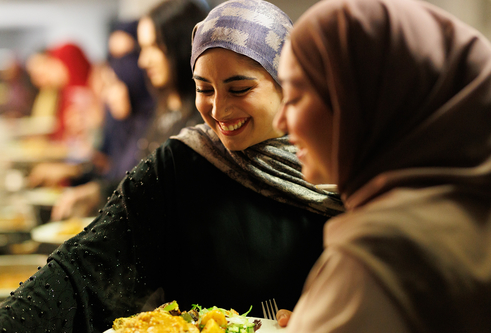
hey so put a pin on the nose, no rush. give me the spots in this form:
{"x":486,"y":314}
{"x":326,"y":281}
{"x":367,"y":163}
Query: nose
{"x":142,"y":59}
{"x":279,"y":121}
{"x":220,"y":108}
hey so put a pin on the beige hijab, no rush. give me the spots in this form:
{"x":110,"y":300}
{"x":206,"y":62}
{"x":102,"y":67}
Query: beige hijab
{"x":409,"y":87}
{"x":410,"y":91}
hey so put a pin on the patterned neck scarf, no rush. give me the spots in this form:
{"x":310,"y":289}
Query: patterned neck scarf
{"x":269,"y":168}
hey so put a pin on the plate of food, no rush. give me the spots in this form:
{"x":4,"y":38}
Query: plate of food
{"x":16,"y":218}
{"x":168,"y":318}
{"x":17,"y":268}
{"x":57,"y":232}
{"x":32,"y":150}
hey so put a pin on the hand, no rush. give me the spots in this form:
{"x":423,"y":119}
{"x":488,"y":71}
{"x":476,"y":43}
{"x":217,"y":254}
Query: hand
{"x":79,"y":201}
{"x":52,"y":174}
{"x":283,"y":316}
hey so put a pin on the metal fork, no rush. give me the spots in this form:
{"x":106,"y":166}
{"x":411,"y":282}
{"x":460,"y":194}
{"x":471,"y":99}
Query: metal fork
{"x":269,"y":305}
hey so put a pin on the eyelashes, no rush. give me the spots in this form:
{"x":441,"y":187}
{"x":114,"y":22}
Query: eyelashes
{"x":210,"y":91}
{"x":240,"y":91}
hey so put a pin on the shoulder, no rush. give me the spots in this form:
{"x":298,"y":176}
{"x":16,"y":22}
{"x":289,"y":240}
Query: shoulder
{"x":177,"y":151}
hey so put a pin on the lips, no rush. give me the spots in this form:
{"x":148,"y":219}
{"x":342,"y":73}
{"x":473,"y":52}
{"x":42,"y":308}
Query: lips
{"x":301,"y":154}
{"x":233,"y":127}
{"x":301,"y":151}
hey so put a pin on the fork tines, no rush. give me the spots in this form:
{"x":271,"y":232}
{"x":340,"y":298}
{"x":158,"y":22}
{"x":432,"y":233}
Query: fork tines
{"x":269,"y":312}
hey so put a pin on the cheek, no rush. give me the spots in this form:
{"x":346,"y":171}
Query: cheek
{"x":265,"y":108}
{"x":152,"y":58}
{"x":202,"y":105}
{"x":321,"y":146}
{"x":143,"y":59}
{"x":319,"y":128}
{"x":298,"y":125}
{"x":163,"y":62}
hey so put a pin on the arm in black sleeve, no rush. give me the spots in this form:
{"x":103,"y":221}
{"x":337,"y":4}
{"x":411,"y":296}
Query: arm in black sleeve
{"x":99,"y":274}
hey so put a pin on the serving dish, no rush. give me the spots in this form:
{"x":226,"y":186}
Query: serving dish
{"x":57,"y":232}
{"x":14,"y":220}
{"x":17,"y":268}
{"x":43,"y":196}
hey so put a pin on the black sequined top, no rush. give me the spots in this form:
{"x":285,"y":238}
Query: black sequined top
{"x":179,"y":229}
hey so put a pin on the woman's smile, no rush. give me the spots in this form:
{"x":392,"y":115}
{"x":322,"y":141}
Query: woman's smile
{"x":233,"y":127}
{"x":236,"y":97}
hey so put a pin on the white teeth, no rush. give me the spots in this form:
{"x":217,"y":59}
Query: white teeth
{"x":233,"y":127}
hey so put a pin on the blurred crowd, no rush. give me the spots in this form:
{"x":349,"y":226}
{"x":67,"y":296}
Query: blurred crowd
{"x":104,"y":116}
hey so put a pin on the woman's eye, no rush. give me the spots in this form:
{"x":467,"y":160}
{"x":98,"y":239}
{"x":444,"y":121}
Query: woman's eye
{"x":204,"y":91}
{"x":240,"y":91}
{"x":291,"y":101}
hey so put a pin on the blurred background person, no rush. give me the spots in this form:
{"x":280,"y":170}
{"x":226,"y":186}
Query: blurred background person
{"x":62,"y":104}
{"x":62,"y":75}
{"x":128,"y":108}
{"x":17,"y":92}
{"x":164,"y":35}
{"x":64,"y":71}
{"x":130,"y":105}
{"x":45,"y":104}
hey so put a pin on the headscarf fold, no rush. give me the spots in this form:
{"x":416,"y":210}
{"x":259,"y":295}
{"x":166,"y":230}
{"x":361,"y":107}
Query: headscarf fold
{"x":269,"y":168}
{"x":409,"y":87}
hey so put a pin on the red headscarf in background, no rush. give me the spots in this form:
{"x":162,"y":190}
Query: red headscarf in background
{"x":79,"y":68}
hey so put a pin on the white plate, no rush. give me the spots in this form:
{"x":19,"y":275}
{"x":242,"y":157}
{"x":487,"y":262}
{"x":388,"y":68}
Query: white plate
{"x":268,"y":326}
{"x":56,"y":232}
{"x":16,"y":217}
{"x":43,"y":196}
{"x":328,"y":187}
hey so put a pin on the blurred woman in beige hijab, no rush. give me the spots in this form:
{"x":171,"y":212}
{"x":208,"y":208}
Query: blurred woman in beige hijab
{"x":391,"y":100}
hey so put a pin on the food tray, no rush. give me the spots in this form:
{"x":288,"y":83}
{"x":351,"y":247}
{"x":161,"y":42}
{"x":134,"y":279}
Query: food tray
{"x":17,"y":268}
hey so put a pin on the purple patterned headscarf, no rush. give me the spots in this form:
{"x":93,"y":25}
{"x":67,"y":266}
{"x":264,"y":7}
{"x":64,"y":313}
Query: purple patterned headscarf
{"x":254,"y":28}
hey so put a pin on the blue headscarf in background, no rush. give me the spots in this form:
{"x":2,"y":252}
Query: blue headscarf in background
{"x":120,"y":137}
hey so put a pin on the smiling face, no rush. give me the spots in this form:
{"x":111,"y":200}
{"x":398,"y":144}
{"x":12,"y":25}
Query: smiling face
{"x":236,"y":97}
{"x":47,"y":71}
{"x":152,"y":58}
{"x":306,"y":118}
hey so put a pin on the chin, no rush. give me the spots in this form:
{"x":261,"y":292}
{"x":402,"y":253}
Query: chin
{"x":313,"y":176}
{"x":232,"y":143}
{"x":232,"y":146}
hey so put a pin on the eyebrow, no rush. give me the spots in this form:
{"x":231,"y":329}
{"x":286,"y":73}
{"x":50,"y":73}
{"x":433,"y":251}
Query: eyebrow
{"x":294,"y":82}
{"x":230,"y":79}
